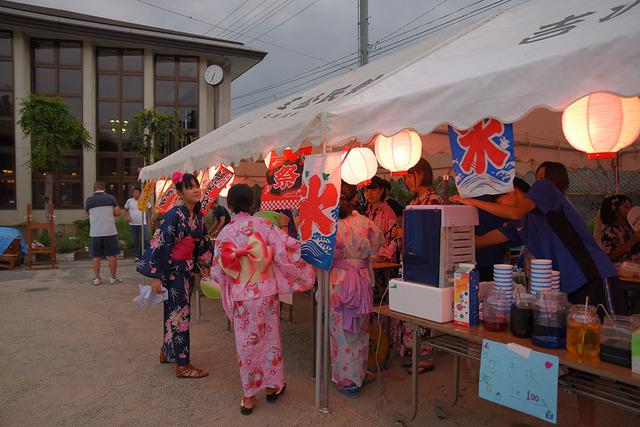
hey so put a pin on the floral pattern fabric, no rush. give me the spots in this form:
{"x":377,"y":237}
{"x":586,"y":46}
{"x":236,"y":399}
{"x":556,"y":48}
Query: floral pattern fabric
{"x":358,"y":238}
{"x":177,"y":275}
{"x":614,"y":236}
{"x":254,"y":307}
{"x":385,"y":219}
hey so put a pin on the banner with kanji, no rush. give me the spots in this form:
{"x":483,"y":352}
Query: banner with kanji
{"x":167,"y":200}
{"x":319,"y":208}
{"x":483,"y":158}
{"x":284,"y":180}
{"x":220,"y":180}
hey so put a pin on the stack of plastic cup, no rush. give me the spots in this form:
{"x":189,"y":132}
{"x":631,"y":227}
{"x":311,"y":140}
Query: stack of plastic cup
{"x":555,"y":280}
{"x":503,"y":284}
{"x":540,"y":275}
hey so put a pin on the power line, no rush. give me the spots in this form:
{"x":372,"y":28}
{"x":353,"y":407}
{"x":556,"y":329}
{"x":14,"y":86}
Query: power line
{"x":224,"y":28}
{"x":337,"y":62}
{"x":226,"y":16}
{"x":347,"y":64}
{"x":286,"y":20}
{"x":267,"y":16}
{"x":241,"y":18}
{"x":414,"y":20}
{"x":468,"y":15}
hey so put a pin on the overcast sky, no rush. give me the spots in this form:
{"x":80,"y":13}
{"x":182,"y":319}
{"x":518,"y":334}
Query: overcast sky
{"x":299,"y":35}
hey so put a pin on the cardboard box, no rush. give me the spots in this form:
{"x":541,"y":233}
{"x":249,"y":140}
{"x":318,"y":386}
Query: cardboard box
{"x":426,"y":302}
{"x":466,"y":304}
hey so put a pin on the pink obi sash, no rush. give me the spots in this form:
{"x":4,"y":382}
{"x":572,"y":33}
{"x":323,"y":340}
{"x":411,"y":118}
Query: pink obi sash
{"x":356,"y":296}
{"x":183,"y":249}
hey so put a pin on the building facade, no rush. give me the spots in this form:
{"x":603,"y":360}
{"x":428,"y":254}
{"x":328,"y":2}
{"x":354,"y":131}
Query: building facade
{"x":106,"y":71}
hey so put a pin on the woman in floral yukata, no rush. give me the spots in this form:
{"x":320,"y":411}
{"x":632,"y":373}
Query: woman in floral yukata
{"x":254,"y":261}
{"x":358,"y":240}
{"x":383,"y":216}
{"x":619,"y":241}
{"x":179,"y":249}
{"x":419,"y":181}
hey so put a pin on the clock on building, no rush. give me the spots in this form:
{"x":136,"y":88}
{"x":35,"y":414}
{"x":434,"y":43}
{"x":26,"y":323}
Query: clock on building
{"x":213,"y":74}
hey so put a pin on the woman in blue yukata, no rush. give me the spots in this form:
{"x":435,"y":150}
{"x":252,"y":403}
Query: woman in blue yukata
{"x":179,"y":249}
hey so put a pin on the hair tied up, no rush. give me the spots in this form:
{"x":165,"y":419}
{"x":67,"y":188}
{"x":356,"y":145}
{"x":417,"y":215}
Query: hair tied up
{"x":176,"y":177}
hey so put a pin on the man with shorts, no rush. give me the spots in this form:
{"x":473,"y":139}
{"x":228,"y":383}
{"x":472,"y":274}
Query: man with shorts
{"x":103,"y":236}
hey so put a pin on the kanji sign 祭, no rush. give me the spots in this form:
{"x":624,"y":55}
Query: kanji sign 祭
{"x":319,"y":208}
{"x":284,"y":181}
{"x":214,"y":187}
{"x":483,"y":158}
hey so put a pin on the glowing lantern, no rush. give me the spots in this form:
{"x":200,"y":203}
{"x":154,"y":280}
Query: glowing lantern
{"x":162,"y":185}
{"x":601,"y":124}
{"x":225,"y":190}
{"x":359,"y":166}
{"x":400,"y":152}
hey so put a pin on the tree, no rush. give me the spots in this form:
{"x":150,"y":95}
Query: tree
{"x":53,"y":131}
{"x":151,"y":130}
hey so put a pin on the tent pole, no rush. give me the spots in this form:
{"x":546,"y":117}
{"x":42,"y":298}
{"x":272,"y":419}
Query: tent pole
{"x":616,"y":174}
{"x":319,"y":311}
{"x":325,"y":342}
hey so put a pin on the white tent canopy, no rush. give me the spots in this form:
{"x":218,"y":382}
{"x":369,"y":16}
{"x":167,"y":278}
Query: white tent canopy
{"x":542,"y":53}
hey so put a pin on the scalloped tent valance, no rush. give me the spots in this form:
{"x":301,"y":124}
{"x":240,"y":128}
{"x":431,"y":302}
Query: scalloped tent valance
{"x":542,"y":53}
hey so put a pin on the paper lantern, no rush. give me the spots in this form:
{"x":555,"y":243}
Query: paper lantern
{"x":399,"y":152}
{"x":601,"y":124}
{"x":162,"y":185}
{"x":359,"y":166}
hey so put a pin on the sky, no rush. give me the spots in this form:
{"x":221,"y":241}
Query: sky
{"x":300,"y":36}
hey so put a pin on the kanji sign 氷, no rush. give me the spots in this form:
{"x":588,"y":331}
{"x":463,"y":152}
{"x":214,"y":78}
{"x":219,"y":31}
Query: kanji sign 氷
{"x":483,"y":158}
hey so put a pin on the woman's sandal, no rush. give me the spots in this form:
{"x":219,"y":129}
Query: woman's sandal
{"x":243,"y":409}
{"x":424,"y":366}
{"x":369,"y":378}
{"x":190,"y":371}
{"x":272,"y":397}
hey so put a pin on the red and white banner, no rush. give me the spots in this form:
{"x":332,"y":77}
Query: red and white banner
{"x":221,"y":178}
{"x":284,"y":181}
{"x":167,"y":200}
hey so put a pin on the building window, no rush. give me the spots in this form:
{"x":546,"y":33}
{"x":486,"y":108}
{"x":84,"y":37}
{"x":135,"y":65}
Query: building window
{"x":7,"y":125}
{"x":176,"y":90}
{"x":57,"y":71}
{"x":120,"y":77}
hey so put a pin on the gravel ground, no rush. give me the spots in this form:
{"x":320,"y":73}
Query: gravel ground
{"x":76,"y":354}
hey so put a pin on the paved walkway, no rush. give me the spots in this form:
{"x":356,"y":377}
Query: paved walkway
{"x":76,"y":354}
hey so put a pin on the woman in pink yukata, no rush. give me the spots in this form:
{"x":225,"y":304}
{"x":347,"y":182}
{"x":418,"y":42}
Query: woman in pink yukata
{"x":358,"y":240}
{"x":253,"y":262}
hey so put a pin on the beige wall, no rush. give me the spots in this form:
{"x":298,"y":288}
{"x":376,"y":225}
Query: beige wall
{"x":22,"y":88}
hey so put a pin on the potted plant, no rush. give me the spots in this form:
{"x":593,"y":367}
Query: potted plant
{"x":53,"y":131}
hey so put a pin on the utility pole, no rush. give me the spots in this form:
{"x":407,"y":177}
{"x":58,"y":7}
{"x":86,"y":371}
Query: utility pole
{"x":363,"y":24}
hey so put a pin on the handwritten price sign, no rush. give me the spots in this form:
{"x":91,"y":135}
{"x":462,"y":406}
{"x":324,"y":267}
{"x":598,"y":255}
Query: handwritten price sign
{"x":520,"y":379}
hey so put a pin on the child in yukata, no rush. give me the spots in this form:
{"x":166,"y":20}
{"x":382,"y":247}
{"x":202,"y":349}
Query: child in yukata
{"x":253,"y":262}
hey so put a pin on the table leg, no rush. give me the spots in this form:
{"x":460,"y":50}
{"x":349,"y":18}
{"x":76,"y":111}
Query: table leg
{"x":456,"y":379}
{"x":414,"y":373}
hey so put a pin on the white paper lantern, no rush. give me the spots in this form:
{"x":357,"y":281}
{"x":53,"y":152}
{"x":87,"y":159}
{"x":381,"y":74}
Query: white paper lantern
{"x":225,"y":190}
{"x":601,"y":124}
{"x":399,"y":152}
{"x":359,"y":166}
{"x":162,"y":185}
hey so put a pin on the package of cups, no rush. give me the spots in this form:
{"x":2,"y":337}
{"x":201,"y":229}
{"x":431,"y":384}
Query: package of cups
{"x":503,"y":283}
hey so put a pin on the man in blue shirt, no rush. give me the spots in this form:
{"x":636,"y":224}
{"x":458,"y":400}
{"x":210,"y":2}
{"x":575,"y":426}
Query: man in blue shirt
{"x":550,"y":228}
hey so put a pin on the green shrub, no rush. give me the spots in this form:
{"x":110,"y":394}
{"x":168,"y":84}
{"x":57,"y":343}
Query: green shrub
{"x":124,"y":233}
{"x":67,"y":244}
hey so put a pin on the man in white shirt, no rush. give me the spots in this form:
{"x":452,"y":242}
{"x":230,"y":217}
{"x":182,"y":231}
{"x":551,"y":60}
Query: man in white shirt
{"x":137,"y":221}
{"x":103,"y":235}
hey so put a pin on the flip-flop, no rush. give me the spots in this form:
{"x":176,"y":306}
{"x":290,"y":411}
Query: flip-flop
{"x":274,"y":396}
{"x":351,"y":392}
{"x":244,"y":410}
